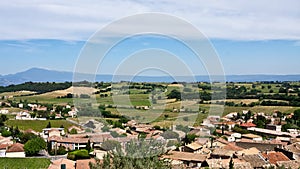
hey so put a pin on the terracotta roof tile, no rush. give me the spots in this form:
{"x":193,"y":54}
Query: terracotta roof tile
{"x":84,"y":164}
{"x":185,"y":156}
{"x":248,"y":124}
{"x":274,"y":157}
{"x":17,"y":147}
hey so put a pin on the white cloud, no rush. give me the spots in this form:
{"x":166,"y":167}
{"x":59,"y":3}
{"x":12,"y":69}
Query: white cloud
{"x":77,"y":19}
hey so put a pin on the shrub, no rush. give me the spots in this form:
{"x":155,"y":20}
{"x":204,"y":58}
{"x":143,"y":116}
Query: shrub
{"x":78,"y":154}
{"x":6,"y":133}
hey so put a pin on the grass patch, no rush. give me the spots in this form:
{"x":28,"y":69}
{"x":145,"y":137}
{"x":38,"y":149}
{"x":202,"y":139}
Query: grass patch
{"x":21,"y":163}
{"x":37,"y":125}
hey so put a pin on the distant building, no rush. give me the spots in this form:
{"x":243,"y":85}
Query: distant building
{"x":253,"y":137}
{"x":49,"y":132}
{"x":274,"y":127}
{"x":4,"y":111}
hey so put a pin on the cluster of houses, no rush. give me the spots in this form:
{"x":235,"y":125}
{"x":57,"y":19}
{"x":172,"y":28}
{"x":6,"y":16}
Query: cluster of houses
{"x":249,"y":150}
{"x":30,"y":115}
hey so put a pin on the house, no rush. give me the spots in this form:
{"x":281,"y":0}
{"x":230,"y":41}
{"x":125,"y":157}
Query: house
{"x":210,"y":120}
{"x":269,"y":132}
{"x":49,"y":132}
{"x":249,"y":151}
{"x":186,"y":159}
{"x":200,"y":131}
{"x":224,"y":163}
{"x":222,"y":153}
{"x":69,"y":143}
{"x":273,"y":157}
{"x":4,"y":111}
{"x":193,"y":147}
{"x":73,"y":113}
{"x":232,"y":147}
{"x":253,"y":137}
{"x":16,"y":150}
{"x":84,"y":164}
{"x":6,"y":140}
{"x":274,"y":127}
{"x":3,"y":148}
{"x":231,"y":115}
{"x":260,"y":145}
{"x":219,"y":143}
{"x":26,"y":116}
{"x":292,"y":164}
{"x":62,"y":163}
{"x":23,"y":116}
{"x":255,"y":160}
{"x":294,"y":149}
{"x":197,"y":145}
{"x":247,"y":125}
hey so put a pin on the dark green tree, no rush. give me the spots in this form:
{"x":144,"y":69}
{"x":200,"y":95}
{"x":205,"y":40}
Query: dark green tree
{"x":32,"y":147}
{"x":48,"y":125}
{"x":231,"y":164}
{"x":174,"y":94}
{"x":88,"y":146}
{"x":3,"y":118}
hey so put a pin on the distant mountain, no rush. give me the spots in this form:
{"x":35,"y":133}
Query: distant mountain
{"x":35,"y":75}
{"x":44,"y":75}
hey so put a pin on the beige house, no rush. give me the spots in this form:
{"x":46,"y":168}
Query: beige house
{"x":60,"y":163}
{"x":16,"y":150}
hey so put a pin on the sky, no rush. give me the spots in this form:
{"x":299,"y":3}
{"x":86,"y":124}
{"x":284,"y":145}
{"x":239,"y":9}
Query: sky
{"x":250,"y":37}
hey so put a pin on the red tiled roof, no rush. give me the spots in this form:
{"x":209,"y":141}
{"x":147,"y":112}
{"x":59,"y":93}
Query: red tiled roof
{"x":185,"y":156}
{"x":273,"y":157}
{"x":248,"y":124}
{"x":3,"y":146}
{"x":56,"y":164}
{"x":233,"y":147}
{"x":83,"y":164}
{"x":73,"y":140}
{"x":17,"y":147}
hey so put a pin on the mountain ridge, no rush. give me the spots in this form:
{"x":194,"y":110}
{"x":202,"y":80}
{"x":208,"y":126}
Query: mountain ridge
{"x":45,"y":75}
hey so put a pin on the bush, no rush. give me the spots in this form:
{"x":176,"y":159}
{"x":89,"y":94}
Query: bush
{"x":73,"y":131}
{"x":6,"y":133}
{"x":61,"y":150}
{"x":78,"y":154}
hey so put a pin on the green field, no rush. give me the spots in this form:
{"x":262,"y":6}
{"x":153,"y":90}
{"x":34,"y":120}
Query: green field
{"x":45,"y":99}
{"x":24,"y":163}
{"x":37,"y":125}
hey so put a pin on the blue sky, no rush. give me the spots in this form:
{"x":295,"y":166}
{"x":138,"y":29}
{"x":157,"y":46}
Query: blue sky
{"x":257,"y":37}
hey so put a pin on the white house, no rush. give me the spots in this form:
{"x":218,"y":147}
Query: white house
{"x":21,"y":105}
{"x":236,"y":135}
{"x":3,"y":148}
{"x":23,"y":116}
{"x":73,"y":113}
{"x":230,"y":139}
{"x":49,"y":132}
{"x":4,"y":111}
{"x":27,"y":116}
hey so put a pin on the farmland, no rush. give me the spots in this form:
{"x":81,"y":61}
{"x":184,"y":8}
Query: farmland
{"x":154,"y":102}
